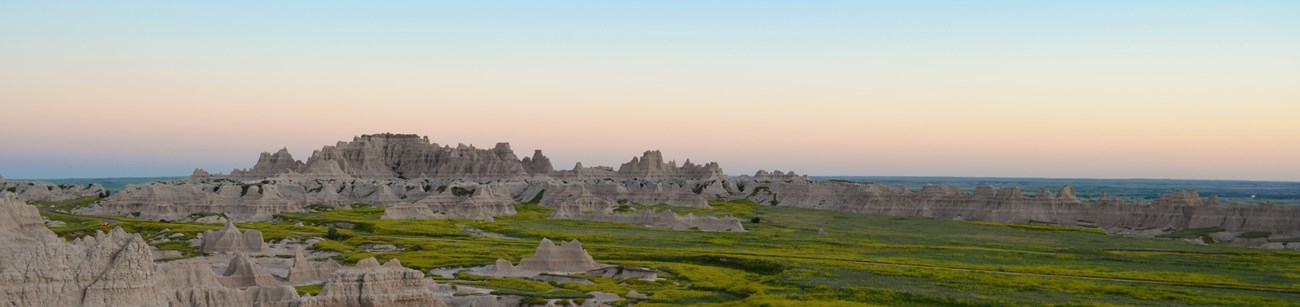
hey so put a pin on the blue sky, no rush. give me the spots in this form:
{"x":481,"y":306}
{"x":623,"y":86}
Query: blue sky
{"x":1163,"y":89}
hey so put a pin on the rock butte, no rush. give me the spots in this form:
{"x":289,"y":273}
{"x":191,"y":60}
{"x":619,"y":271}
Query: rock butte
{"x":414,"y":178}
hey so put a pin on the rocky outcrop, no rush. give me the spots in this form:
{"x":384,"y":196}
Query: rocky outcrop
{"x":373,"y":285}
{"x":400,"y":156}
{"x":194,"y":284}
{"x":269,"y":165}
{"x":230,"y":240}
{"x":1177,"y":210}
{"x":538,"y":164}
{"x":387,"y":156}
{"x":41,"y":190}
{"x":304,"y":270}
{"x":408,"y":175}
{"x":568,"y":257}
{"x":637,"y":191}
{"x":41,"y":269}
{"x":481,"y":202}
{"x":651,"y":165}
{"x":176,"y":200}
{"x":243,"y":272}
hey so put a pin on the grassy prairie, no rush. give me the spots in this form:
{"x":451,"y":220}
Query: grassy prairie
{"x":783,"y":260}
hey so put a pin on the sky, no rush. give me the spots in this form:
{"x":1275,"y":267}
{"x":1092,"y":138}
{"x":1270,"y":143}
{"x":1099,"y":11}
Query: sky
{"x":1074,"y":89}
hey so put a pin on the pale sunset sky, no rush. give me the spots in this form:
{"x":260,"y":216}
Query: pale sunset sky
{"x":1079,"y":89}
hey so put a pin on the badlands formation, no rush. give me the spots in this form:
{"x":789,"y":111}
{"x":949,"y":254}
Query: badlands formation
{"x":416,"y":179}
{"x":117,"y":269}
{"x":39,"y":190}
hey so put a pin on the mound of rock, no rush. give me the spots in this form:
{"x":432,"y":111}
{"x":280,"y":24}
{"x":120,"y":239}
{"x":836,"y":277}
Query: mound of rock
{"x":372,"y":284}
{"x":243,"y":272}
{"x":568,"y":257}
{"x":462,"y":202}
{"x":41,"y":190}
{"x":230,"y":240}
{"x":194,"y":284}
{"x":304,"y":270}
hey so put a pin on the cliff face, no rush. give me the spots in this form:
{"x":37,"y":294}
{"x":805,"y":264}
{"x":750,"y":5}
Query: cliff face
{"x":392,"y":156}
{"x":399,"y":156}
{"x":41,"y":269}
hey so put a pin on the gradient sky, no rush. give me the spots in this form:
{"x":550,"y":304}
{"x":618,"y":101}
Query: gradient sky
{"x":1098,"y":89}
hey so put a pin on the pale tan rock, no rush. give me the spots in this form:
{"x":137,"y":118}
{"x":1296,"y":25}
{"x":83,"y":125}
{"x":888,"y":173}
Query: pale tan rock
{"x":374,"y":285}
{"x":568,"y":257}
{"x":243,"y":272}
{"x":194,"y":284}
{"x":230,"y":240}
{"x":304,"y":270}
{"x":41,"y":190}
{"x":483,"y":202}
{"x":41,"y":269}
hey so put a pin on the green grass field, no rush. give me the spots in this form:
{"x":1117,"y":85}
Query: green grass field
{"x":783,"y":260}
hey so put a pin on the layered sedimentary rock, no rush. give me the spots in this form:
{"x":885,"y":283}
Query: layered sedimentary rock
{"x":304,"y":270}
{"x":392,"y":156}
{"x":41,"y":190}
{"x":1176,"y":210}
{"x":41,"y":269}
{"x":230,"y":240}
{"x":669,"y":192}
{"x":269,"y":164}
{"x":473,"y":202}
{"x":568,"y":257}
{"x":177,"y":200}
{"x":371,"y":284}
{"x":243,"y":272}
{"x":537,"y":164}
{"x":651,"y":165}
{"x":194,"y":284}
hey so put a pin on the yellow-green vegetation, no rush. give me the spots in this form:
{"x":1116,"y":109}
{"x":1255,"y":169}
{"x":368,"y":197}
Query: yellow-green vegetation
{"x":66,"y":205}
{"x":309,"y":289}
{"x":783,"y":260}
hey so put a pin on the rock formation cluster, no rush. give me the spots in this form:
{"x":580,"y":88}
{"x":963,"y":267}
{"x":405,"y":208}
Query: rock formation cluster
{"x":1176,"y":210}
{"x":41,"y":269}
{"x":414,"y":178}
{"x":37,"y":268}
